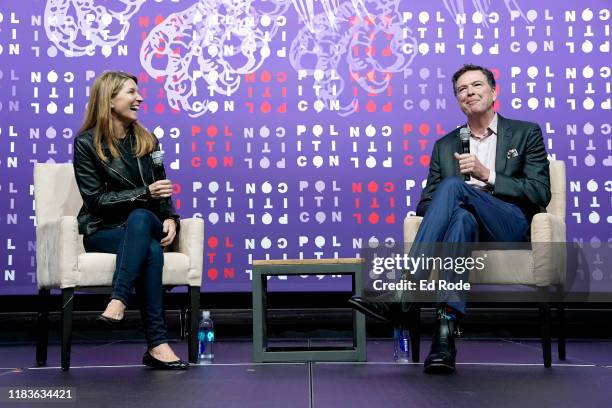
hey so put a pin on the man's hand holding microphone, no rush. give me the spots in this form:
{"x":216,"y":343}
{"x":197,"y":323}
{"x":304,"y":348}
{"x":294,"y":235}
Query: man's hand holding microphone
{"x":469,"y":165}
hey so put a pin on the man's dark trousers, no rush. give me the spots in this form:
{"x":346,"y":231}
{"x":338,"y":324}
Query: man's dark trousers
{"x":460,"y":213}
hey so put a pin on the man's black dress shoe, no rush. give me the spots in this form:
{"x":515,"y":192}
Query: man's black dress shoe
{"x":152,"y":362}
{"x":441,"y":358}
{"x":388,"y":309}
{"x":109,"y":321}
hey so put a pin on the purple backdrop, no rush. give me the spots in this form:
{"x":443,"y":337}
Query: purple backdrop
{"x":297,"y":131}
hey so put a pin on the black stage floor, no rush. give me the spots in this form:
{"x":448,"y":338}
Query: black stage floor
{"x":490,"y":373}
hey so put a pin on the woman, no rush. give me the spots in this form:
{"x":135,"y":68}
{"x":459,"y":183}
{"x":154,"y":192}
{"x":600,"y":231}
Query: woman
{"x":125,"y":210}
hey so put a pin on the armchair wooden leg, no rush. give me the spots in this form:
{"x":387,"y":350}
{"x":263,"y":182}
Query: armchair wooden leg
{"x":415,"y":333}
{"x":561,"y":324}
{"x":42,"y":328}
{"x":67,"y":309}
{"x":545,"y":324}
{"x":194,"y":312}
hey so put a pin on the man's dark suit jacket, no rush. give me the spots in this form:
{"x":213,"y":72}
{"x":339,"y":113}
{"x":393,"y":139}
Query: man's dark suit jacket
{"x":521,"y":166}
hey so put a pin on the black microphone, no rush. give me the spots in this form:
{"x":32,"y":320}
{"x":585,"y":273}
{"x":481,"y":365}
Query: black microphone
{"x":464,"y":135}
{"x":158,"y":165}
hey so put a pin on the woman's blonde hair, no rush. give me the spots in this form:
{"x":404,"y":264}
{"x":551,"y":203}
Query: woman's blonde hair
{"x":99,"y":117}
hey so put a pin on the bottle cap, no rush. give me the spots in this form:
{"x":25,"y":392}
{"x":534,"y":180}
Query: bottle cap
{"x":205,"y":314}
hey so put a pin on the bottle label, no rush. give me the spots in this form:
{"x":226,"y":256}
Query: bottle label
{"x":206,"y":335}
{"x":403,"y":343}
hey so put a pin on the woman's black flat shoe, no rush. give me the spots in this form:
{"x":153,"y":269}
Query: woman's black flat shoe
{"x":152,"y":362}
{"x":110,"y":321}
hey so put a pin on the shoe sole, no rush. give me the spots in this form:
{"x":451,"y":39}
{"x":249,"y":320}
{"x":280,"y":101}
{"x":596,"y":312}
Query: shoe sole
{"x":359,"y":307}
{"x":158,"y":365}
{"x":109,"y":322}
{"x":439,"y":368}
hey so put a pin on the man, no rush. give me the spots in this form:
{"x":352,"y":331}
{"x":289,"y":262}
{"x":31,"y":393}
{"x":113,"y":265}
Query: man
{"x":508,"y":183}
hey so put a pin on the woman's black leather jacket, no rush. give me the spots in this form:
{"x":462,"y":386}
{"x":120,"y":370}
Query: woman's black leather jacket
{"x":108,"y":194}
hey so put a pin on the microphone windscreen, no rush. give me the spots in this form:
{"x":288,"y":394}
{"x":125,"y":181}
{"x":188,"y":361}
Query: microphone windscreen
{"x":464,"y":134}
{"x":158,"y":157}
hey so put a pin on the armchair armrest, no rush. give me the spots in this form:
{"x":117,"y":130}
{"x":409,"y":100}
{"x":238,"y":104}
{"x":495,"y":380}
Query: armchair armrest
{"x":411,"y":226}
{"x":546,"y":227}
{"x":549,"y":248}
{"x":191,"y":243}
{"x":57,"y":250}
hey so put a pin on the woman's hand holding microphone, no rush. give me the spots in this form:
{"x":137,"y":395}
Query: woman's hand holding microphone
{"x":161,"y":189}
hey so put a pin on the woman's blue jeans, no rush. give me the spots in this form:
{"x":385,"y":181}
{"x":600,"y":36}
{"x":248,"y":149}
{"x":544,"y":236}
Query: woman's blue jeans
{"x":140,"y":261}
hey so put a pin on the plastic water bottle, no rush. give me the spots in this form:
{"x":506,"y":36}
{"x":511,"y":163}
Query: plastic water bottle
{"x":206,"y":338}
{"x":401,"y":345}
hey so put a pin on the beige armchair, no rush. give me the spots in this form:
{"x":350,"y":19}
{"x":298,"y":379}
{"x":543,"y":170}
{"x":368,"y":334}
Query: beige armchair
{"x":541,"y":267}
{"x":62,"y":262}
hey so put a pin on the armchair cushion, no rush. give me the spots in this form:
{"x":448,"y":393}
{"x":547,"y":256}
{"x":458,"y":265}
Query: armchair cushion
{"x":96,"y":269}
{"x":505,"y":267}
